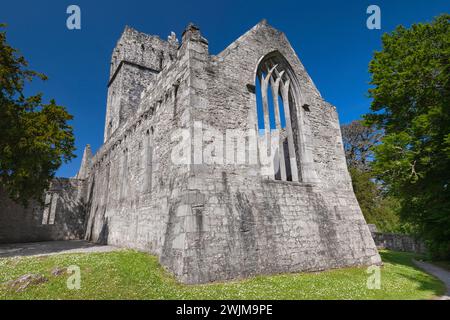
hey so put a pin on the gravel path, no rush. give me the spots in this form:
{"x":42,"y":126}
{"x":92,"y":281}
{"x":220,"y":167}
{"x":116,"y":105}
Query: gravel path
{"x":439,"y":273}
{"x":51,"y":248}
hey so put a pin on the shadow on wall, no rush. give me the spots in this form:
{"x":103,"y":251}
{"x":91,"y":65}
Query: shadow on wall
{"x":62,"y":218}
{"x":104,"y":233}
{"x":71,"y":215}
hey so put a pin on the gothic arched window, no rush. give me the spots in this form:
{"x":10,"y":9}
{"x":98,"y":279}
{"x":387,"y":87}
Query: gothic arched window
{"x":277,"y":116}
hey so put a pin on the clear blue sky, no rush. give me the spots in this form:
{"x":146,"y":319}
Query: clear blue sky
{"x":330,"y":38}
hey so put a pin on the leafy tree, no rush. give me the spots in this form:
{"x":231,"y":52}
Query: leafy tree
{"x":377,"y":207}
{"x":359,"y":139}
{"x":35,"y":137}
{"x":411,"y":104}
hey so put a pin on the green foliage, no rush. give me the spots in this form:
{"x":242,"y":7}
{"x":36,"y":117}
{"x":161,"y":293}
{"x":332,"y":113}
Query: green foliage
{"x":35,"y":138}
{"x":377,"y":208}
{"x":411,"y":104}
{"x":359,"y":139}
{"x":135,"y":275}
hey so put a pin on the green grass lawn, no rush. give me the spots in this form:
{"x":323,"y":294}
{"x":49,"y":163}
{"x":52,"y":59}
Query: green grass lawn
{"x":128,"y":274}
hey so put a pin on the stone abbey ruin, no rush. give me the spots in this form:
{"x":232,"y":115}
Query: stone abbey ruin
{"x":229,"y":204}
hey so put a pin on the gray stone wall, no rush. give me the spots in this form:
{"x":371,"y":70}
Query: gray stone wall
{"x":62,"y":218}
{"x":234,"y":222}
{"x":133,"y":185}
{"x":399,"y":242}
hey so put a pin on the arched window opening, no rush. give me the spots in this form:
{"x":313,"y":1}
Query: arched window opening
{"x":277,"y":116}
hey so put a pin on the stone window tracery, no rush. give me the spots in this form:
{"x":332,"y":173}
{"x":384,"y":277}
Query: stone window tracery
{"x":277,"y":119}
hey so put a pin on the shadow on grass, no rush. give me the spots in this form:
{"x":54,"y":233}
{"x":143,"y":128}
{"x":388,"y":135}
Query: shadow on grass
{"x":425,"y":281}
{"x":43,"y":248}
{"x":396,"y":257}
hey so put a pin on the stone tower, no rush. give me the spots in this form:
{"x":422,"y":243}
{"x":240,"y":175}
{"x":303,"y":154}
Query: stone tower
{"x":135,"y":61}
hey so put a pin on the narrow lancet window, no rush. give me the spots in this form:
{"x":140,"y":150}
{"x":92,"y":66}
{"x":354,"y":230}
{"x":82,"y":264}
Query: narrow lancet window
{"x":124,"y":181}
{"x":53,"y":208}
{"x":148,"y":162}
{"x":46,"y":213}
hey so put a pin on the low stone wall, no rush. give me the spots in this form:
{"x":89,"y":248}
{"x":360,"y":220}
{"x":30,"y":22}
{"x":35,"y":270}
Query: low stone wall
{"x":398,"y":242}
{"x":62,"y":218}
